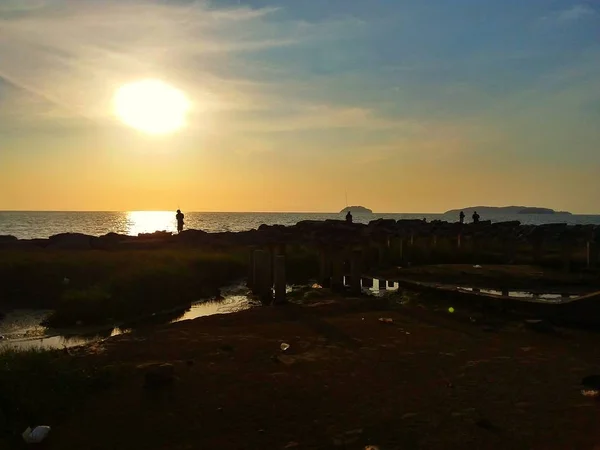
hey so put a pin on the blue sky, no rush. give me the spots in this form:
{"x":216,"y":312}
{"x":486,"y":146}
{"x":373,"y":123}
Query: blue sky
{"x":410,"y":106}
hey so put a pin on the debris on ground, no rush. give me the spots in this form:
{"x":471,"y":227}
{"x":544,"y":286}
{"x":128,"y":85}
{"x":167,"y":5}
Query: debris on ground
{"x":37,"y":435}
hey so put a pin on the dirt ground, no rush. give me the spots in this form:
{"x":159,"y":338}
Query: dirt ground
{"x":425,"y":381}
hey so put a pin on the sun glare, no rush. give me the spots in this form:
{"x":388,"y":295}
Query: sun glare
{"x":151,"y":106}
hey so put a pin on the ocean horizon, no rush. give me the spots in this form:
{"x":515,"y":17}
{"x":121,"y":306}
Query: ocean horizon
{"x":43,"y":224}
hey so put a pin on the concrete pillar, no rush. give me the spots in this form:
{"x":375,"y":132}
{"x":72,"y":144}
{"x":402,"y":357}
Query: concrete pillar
{"x":250,"y":279}
{"x":401,"y":250}
{"x":355,"y":271}
{"x":537,"y":250}
{"x":505,"y":292}
{"x":509,"y":246}
{"x":367,"y":282}
{"x":280,"y":283}
{"x":476,"y":250}
{"x":337,"y":273}
{"x":325,"y":268}
{"x":593,"y":254}
{"x":382,"y":249}
{"x":382,"y":285}
{"x":262,"y":275}
{"x":565,"y":256}
{"x":458,"y":241}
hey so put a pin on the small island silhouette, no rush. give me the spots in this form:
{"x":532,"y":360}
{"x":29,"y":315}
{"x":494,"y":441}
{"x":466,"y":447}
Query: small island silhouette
{"x":506,"y":210}
{"x":356,"y":209}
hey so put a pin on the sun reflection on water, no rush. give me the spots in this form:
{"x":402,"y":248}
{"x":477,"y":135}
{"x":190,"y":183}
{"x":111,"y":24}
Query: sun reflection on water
{"x":150,"y":221}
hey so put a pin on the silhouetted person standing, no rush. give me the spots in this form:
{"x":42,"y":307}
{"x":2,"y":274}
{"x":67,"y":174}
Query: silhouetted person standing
{"x":475,"y":217}
{"x":461,"y":217}
{"x":349,"y":217}
{"x":179,"y":216}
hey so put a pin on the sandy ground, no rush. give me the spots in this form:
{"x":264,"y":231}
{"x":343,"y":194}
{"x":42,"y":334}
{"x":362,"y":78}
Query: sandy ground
{"x":428,"y":380}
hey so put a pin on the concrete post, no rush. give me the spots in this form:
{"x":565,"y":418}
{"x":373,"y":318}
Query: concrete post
{"x":324,"y":268}
{"x":262,"y":275}
{"x":337,"y":273}
{"x":280,"y":283}
{"x":250,"y":279}
{"x":565,"y":255}
{"x":355,"y":272}
{"x":382,"y":250}
{"x":509,"y":250}
{"x":592,"y":254}
{"x":367,"y":282}
{"x":382,"y":284}
{"x":401,"y":251}
{"x":538,"y":249}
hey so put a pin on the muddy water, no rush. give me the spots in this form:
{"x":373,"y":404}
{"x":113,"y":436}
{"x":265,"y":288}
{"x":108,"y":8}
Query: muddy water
{"x":21,"y":328}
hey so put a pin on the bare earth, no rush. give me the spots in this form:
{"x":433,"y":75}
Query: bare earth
{"x":429,"y":380}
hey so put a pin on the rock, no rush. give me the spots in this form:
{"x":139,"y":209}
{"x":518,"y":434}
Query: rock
{"x":158,"y":375}
{"x":5,"y":239}
{"x":70,"y":241}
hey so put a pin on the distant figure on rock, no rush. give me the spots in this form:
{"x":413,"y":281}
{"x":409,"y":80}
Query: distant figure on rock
{"x":179,"y":216}
{"x":461,"y":217}
{"x":349,"y":217}
{"x":475,"y":217}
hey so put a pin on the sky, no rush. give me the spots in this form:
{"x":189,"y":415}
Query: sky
{"x":403,"y":106}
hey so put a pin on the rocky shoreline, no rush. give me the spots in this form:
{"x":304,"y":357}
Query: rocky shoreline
{"x":328,"y":232}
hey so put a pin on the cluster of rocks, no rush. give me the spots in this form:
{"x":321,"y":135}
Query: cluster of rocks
{"x":329,"y":232}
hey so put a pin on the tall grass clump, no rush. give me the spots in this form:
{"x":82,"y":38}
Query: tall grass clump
{"x":95,"y":286}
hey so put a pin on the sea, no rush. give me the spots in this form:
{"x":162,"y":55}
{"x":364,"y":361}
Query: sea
{"x":42,"y":224}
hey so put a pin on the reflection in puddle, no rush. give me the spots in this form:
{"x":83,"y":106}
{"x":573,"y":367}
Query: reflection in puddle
{"x":533,"y":296}
{"x":374,"y":285}
{"x":20,"y":328}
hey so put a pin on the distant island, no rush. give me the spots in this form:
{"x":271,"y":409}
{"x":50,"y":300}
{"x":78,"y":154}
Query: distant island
{"x":508,"y":210}
{"x":356,"y":209}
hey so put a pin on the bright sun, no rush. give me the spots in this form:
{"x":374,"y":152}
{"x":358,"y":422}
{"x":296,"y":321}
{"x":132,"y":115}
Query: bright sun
{"x":151,"y":106}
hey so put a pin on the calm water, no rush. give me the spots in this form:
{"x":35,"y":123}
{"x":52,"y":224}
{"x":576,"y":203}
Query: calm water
{"x":28,"y":225}
{"x":21,"y":328}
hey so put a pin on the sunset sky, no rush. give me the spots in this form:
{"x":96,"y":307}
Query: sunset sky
{"x":409,"y":106}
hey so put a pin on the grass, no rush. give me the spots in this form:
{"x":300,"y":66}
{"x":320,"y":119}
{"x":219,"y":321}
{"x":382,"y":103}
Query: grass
{"x":104,"y":287}
{"x":95,"y":286}
{"x":41,"y":387}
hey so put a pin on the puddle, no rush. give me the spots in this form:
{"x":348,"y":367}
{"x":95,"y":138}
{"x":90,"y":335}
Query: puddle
{"x":20,"y":328}
{"x":549,"y":297}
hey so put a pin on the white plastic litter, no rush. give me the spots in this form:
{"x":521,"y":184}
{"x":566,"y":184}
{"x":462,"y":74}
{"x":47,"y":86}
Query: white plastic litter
{"x":477,"y":266}
{"x":37,"y":435}
{"x":284,"y":346}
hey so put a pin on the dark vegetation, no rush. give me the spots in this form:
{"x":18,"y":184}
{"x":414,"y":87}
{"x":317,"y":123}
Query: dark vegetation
{"x":96,"y":287}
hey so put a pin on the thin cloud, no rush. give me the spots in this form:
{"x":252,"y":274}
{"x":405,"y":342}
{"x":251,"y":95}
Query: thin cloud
{"x":74,"y":54}
{"x":569,"y":15}
{"x":575,"y":13}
